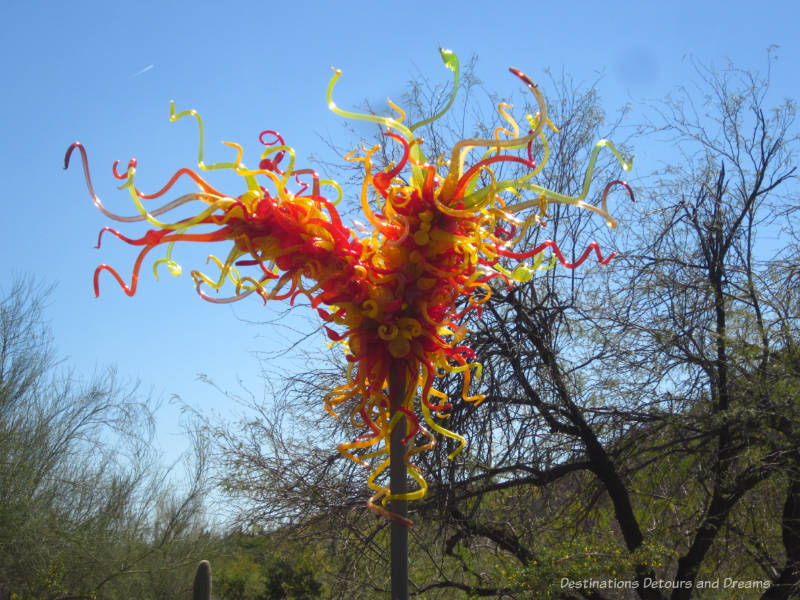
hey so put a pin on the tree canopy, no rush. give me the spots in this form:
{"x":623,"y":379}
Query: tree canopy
{"x":86,"y":509}
{"x":639,"y":433}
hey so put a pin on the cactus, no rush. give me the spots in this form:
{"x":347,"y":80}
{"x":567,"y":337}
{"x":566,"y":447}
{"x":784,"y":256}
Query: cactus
{"x":201,"y":590}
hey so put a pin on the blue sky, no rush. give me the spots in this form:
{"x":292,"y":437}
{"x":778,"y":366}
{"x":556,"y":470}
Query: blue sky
{"x":104,"y":73}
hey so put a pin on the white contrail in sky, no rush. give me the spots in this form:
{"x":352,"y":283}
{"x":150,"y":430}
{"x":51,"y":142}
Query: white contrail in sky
{"x":145,"y":70}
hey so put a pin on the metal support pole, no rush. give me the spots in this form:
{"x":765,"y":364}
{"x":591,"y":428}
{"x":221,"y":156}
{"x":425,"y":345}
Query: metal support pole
{"x":398,"y":485}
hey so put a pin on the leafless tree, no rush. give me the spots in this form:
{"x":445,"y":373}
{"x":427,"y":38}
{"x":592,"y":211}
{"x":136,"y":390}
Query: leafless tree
{"x":640,"y":420}
{"x":86,"y":509}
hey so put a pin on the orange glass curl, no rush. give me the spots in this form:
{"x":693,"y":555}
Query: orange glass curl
{"x":398,"y":295}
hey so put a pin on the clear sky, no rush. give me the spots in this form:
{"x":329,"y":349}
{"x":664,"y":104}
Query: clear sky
{"x":104,"y":73}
